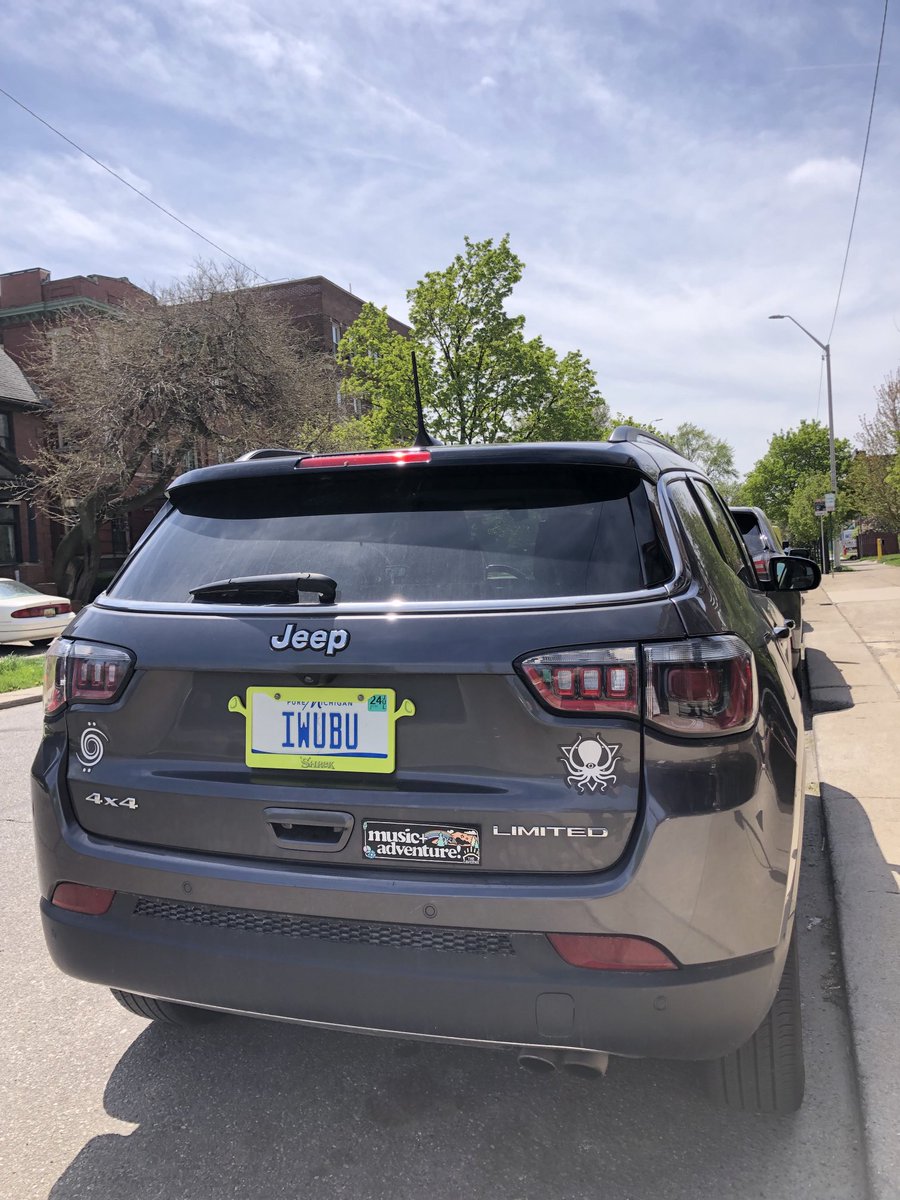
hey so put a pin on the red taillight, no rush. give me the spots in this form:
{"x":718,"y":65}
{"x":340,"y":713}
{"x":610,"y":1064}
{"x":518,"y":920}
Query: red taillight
{"x":368,"y":458}
{"x":97,"y":678}
{"x":610,"y":952}
{"x":82,"y":672}
{"x":761,"y":566}
{"x":588,"y":681}
{"x":42,"y":610}
{"x":700,"y":687}
{"x":79,"y":898}
{"x":694,"y":683}
{"x":55,"y":677}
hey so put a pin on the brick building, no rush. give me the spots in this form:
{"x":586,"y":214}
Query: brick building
{"x":24,"y":532}
{"x":323,"y":308}
{"x":30,"y":299}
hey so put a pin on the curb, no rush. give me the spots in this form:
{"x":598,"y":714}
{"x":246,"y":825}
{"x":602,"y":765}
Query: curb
{"x":870,"y":1020}
{"x":25,"y":696}
{"x":862,"y":882}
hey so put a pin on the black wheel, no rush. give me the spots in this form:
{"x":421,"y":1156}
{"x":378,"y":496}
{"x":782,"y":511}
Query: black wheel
{"x":766,"y":1074}
{"x":165,"y":1011}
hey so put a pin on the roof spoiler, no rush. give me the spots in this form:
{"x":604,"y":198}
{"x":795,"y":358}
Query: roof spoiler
{"x":272,"y":452}
{"x":631,"y":433}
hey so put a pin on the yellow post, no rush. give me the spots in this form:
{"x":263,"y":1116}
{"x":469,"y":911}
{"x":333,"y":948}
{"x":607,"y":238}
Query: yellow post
{"x":879,"y":547}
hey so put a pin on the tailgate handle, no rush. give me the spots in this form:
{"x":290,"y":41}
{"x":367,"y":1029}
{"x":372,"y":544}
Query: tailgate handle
{"x":310,"y":829}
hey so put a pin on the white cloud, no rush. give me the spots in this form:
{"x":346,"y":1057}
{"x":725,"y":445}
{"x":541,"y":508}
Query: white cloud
{"x":829,"y":174}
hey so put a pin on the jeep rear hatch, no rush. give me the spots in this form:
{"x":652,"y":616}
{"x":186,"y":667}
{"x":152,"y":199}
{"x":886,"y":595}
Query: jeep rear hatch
{"x":469,"y":702}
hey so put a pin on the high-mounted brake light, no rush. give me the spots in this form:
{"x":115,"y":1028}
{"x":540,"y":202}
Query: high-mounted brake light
{"x":78,"y":672}
{"x":587,"y":681}
{"x":367,"y":458}
{"x":700,"y":687}
{"x":610,"y":952}
{"x":41,"y":610}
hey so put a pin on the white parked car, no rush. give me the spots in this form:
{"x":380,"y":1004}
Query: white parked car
{"x":27,"y":615}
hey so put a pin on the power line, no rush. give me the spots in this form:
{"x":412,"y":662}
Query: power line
{"x":862,"y":167}
{"x":143,"y":195}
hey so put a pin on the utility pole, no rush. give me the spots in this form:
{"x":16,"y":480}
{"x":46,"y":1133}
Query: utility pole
{"x":826,"y":350}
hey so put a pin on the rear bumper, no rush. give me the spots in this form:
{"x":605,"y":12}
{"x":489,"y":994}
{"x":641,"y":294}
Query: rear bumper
{"x":704,"y":886}
{"x":522,"y":994}
{"x":40,"y":629}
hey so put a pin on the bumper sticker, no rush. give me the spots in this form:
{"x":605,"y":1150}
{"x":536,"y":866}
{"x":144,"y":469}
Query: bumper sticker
{"x":590,"y":763}
{"x":447,"y":845}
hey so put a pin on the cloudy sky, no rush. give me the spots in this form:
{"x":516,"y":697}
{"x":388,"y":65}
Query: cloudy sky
{"x":671,"y":173}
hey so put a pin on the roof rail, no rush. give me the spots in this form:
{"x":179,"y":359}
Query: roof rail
{"x":631,"y":433}
{"x":272,"y":452}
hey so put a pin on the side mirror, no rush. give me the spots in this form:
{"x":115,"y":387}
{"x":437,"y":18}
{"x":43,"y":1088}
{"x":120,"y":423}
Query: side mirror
{"x":793,"y":574}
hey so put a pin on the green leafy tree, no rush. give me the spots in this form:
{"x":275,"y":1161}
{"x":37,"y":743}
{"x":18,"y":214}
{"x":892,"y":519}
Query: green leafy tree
{"x":802,"y":523}
{"x":481,"y":379}
{"x":378,"y":362}
{"x":793,"y":456}
{"x":713,"y":454}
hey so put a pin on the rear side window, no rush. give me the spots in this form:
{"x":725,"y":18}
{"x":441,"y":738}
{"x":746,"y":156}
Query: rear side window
{"x":750,"y":532}
{"x":412,"y":534}
{"x":730,"y":546}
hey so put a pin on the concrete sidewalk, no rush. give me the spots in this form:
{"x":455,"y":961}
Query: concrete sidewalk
{"x":853,"y":660}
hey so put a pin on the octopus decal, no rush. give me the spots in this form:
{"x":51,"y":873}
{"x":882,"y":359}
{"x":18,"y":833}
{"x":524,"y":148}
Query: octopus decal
{"x":590,"y":764}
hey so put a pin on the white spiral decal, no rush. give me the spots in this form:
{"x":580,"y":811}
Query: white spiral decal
{"x":91,"y":747}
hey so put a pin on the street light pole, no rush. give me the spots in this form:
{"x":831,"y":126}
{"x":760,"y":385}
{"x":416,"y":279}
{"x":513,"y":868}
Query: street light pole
{"x":826,"y":350}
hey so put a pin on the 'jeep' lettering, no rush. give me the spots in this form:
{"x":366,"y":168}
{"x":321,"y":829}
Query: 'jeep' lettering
{"x":332,"y":641}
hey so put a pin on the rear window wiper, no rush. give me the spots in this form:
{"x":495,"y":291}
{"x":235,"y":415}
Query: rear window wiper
{"x":268,"y":589}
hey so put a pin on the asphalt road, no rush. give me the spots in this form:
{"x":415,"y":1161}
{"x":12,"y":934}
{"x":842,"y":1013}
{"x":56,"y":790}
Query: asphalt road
{"x":96,"y":1103}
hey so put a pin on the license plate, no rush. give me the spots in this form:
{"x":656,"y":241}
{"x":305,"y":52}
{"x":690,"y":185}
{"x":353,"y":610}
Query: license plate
{"x":439,"y":845}
{"x":321,"y":729}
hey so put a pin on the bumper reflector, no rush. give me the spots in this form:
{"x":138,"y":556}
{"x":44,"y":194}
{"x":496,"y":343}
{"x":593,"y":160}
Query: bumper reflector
{"x":78,"y":897}
{"x":607,"y":952}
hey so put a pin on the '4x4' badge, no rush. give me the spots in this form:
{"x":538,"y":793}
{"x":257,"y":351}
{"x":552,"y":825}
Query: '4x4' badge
{"x":590,"y":762}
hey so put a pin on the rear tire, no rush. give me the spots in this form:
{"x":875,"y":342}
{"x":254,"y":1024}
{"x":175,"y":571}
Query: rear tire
{"x":766,"y":1074}
{"x":165,"y":1011}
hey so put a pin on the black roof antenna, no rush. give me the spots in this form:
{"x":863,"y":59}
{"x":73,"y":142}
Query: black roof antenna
{"x":423,"y":437}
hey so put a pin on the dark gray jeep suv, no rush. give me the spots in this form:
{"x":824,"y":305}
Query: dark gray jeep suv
{"x":497,"y":745}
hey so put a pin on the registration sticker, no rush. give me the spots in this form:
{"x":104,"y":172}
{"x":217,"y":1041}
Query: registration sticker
{"x":321,"y":729}
{"x":445,"y":845}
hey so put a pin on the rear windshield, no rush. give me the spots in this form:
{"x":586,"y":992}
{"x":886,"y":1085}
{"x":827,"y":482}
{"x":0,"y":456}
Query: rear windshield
{"x":488,"y":532}
{"x":756,"y":538}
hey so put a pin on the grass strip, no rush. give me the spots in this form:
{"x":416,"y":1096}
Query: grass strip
{"x":19,"y":671}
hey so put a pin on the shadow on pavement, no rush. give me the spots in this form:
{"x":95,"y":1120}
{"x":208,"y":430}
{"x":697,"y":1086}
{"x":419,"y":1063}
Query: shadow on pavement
{"x":866,"y":885}
{"x":252,"y":1109}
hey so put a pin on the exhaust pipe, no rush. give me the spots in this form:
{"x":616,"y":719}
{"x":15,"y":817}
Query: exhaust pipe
{"x":586,"y":1063}
{"x":539,"y":1061}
